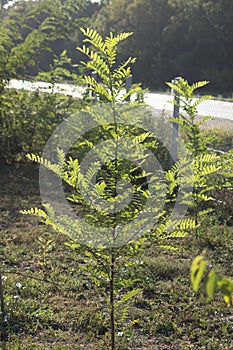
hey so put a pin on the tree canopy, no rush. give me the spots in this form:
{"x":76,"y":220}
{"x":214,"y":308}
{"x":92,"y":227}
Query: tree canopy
{"x":188,"y":38}
{"x":172,"y":38}
{"x":33,"y":32}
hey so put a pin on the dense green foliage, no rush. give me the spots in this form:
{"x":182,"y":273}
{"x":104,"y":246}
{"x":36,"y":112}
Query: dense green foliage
{"x":29,"y":30}
{"x":178,"y":38}
{"x":175,"y":38}
{"x":39,"y":30}
{"x":110,"y":236}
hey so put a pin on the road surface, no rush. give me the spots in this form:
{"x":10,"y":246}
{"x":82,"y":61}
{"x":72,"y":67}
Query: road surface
{"x":160,"y":102}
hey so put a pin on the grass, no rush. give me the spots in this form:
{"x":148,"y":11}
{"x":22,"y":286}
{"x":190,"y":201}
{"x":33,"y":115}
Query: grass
{"x":220,"y":133}
{"x":51,"y":304}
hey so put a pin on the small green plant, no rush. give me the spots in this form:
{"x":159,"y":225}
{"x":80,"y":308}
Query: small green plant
{"x":211,"y":172}
{"x":187,"y":119}
{"x":213,"y":281}
{"x":113,"y":235}
{"x":205,"y":164}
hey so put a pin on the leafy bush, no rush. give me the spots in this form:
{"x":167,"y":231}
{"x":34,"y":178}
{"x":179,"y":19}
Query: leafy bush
{"x":27,"y":120}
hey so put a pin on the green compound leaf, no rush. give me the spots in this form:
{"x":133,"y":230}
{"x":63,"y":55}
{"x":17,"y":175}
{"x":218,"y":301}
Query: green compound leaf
{"x":197,"y":271}
{"x":212,"y":283}
{"x":129,"y":295}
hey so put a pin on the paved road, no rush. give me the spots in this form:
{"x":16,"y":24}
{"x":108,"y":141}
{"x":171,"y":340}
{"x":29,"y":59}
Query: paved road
{"x":63,"y":88}
{"x":215,"y":108}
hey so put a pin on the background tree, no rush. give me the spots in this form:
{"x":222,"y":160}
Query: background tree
{"x":147,"y":40}
{"x":192,"y":39}
{"x":56,"y":23}
{"x":198,"y":41}
{"x":29,"y":30}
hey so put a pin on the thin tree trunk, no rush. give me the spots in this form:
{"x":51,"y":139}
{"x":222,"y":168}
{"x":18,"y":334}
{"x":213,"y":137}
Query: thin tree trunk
{"x":112,"y":311}
{"x":2,"y":305}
